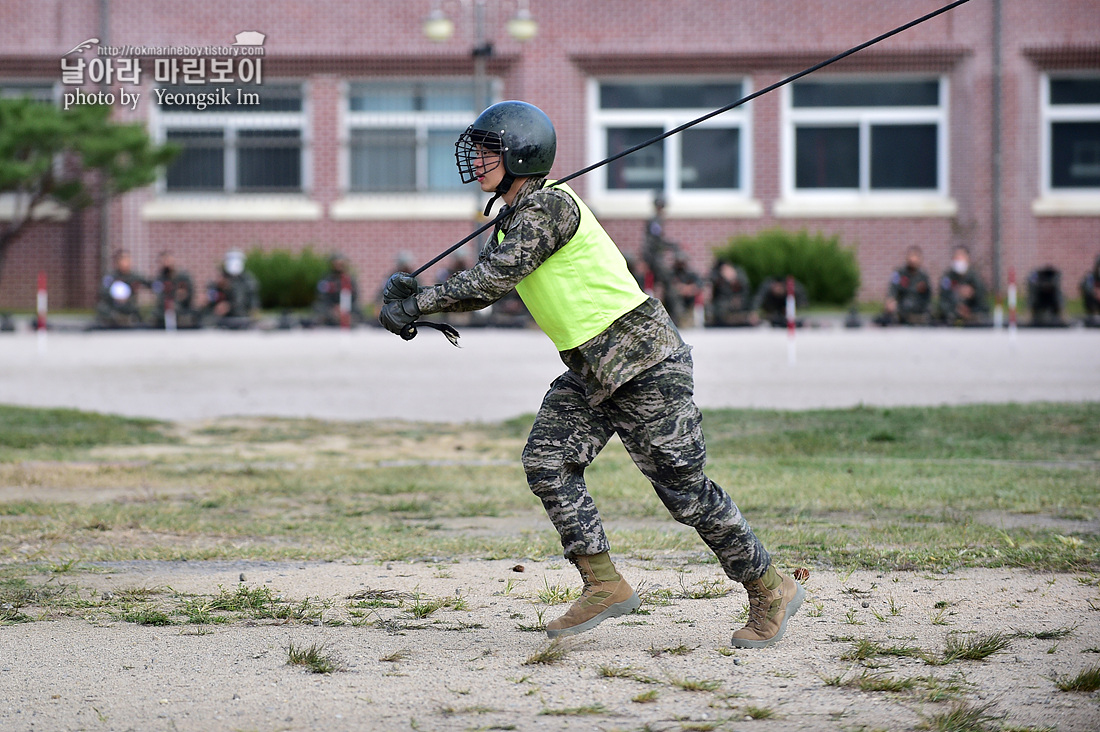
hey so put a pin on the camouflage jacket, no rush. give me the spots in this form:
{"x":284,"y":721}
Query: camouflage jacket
{"x":330,"y":287}
{"x":949,"y":291}
{"x":911,"y":290}
{"x":540,"y":221}
{"x":120,"y":289}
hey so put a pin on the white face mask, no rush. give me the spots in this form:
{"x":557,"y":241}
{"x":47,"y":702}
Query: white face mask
{"x":234,"y":265}
{"x":960,"y":266}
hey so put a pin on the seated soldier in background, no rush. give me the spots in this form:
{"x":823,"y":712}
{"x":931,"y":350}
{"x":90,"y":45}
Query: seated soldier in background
{"x":686,"y":288}
{"x":770,"y":303}
{"x":962,"y":293}
{"x":117,"y":304}
{"x":175,"y":295}
{"x":1045,"y":298}
{"x":1090,"y":295}
{"x":909,"y":296}
{"x":730,"y":296}
{"x":233,"y":299}
{"x":330,"y":303}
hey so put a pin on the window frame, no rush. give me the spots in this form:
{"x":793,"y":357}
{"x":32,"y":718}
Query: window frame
{"x":1049,"y":115}
{"x":705,"y":202}
{"x":864,"y":198}
{"x":421,"y":122}
{"x":232,"y":123}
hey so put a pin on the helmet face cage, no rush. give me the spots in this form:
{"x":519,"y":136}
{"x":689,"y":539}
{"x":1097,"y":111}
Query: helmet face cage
{"x":469,"y":147}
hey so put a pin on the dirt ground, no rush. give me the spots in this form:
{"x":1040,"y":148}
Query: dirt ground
{"x":668,"y":668}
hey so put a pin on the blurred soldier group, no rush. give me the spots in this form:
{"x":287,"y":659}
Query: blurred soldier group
{"x":724,"y":299}
{"x":232,"y":299}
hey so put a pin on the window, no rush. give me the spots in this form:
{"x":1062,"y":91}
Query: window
{"x":1071,"y":111}
{"x":401,"y":135}
{"x":37,"y":92}
{"x":876,"y":136}
{"x":234,"y":139}
{"x":708,"y":158}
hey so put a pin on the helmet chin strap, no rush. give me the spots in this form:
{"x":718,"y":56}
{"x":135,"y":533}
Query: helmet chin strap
{"x":505,"y":185}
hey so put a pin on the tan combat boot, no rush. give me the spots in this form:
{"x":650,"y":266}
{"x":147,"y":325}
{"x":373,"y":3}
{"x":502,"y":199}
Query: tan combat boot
{"x":605,"y":595}
{"x":773,"y":599}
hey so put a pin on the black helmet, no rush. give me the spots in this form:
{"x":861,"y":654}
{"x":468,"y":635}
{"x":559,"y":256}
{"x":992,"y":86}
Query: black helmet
{"x":520,"y":132}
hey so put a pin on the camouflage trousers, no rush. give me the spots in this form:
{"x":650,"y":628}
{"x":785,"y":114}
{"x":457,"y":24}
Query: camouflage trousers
{"x":656,"y":418}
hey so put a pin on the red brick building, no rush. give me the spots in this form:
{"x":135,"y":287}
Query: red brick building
{"x":349,"y":144}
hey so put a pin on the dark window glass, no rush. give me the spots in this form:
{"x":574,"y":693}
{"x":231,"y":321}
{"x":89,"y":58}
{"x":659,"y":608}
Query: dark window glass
{"x":269,"y":160}
{"x":903,"y":157}
{"x":200,"y":166}
{"x":709,"y":158}
{"x":1075,"y":155}
{"x":36,"y":92}
{"x":383,"y":160}
{"x":642,"y":169}
{"x":827,"y":157}
{"x":866,"y":93}
{"x":1075,"y":91}
{"x":669,"y":96}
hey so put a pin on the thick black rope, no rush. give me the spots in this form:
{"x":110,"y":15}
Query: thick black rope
{"x":705,"y":117}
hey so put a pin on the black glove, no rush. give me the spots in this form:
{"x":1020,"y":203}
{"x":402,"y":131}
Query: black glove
{"x":398,"y":314}
{"x":399,"y":286}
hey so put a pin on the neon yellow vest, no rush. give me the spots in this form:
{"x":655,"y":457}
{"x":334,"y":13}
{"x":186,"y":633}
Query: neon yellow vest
{"x":583,"y":287}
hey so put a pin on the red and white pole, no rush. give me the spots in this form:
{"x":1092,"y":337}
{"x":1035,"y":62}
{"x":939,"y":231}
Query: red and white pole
{"x":790,"y":321}
{"x":42,"y":301}
{"x":169,"y":308}
{"x":345,"y":302}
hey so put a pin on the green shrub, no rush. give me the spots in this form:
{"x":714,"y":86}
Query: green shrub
{"x":287,"y":280}
{"x":829,"y":272}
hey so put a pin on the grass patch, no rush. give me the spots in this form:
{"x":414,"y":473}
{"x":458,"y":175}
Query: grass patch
{"x":1087,"y":681}
{"x":1052,"y":634}
{"x":553,"y":652}
{"x":557,"y":594}
{"x":962,"y":717}
{"x":581,"y":711}
{"x":976,"y":648}
{"x":758,"y":712}
{"x":823,"y":488}
{"x":146,"y":616}
{"x":687,"y":684}
{"x":23,"y":428}
{"x":864,"y":649}
{"x":316,"y":658}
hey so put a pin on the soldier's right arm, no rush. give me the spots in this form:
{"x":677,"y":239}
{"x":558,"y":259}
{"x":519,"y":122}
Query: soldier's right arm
{"x":542,"y":224}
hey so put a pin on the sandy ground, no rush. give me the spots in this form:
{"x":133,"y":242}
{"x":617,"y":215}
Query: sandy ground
{"x":465,"y":669}
{"x":370,"y":374}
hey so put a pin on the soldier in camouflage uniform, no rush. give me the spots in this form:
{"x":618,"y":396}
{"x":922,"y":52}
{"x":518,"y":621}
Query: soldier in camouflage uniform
{"x":1090,"y":295}
{"x":962,"y":293}
{"x":175,"y":293}
{"x":656,"y":250}
{"x":730,"y":296}
{"x":909,"y":296}
{"x":632,"y":378}
{"x":117,"y":304}
{"x":233,"y":300}
{"x":328,"y":305}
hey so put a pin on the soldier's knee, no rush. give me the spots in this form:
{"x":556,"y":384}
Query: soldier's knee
{"x":691,"y":500}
